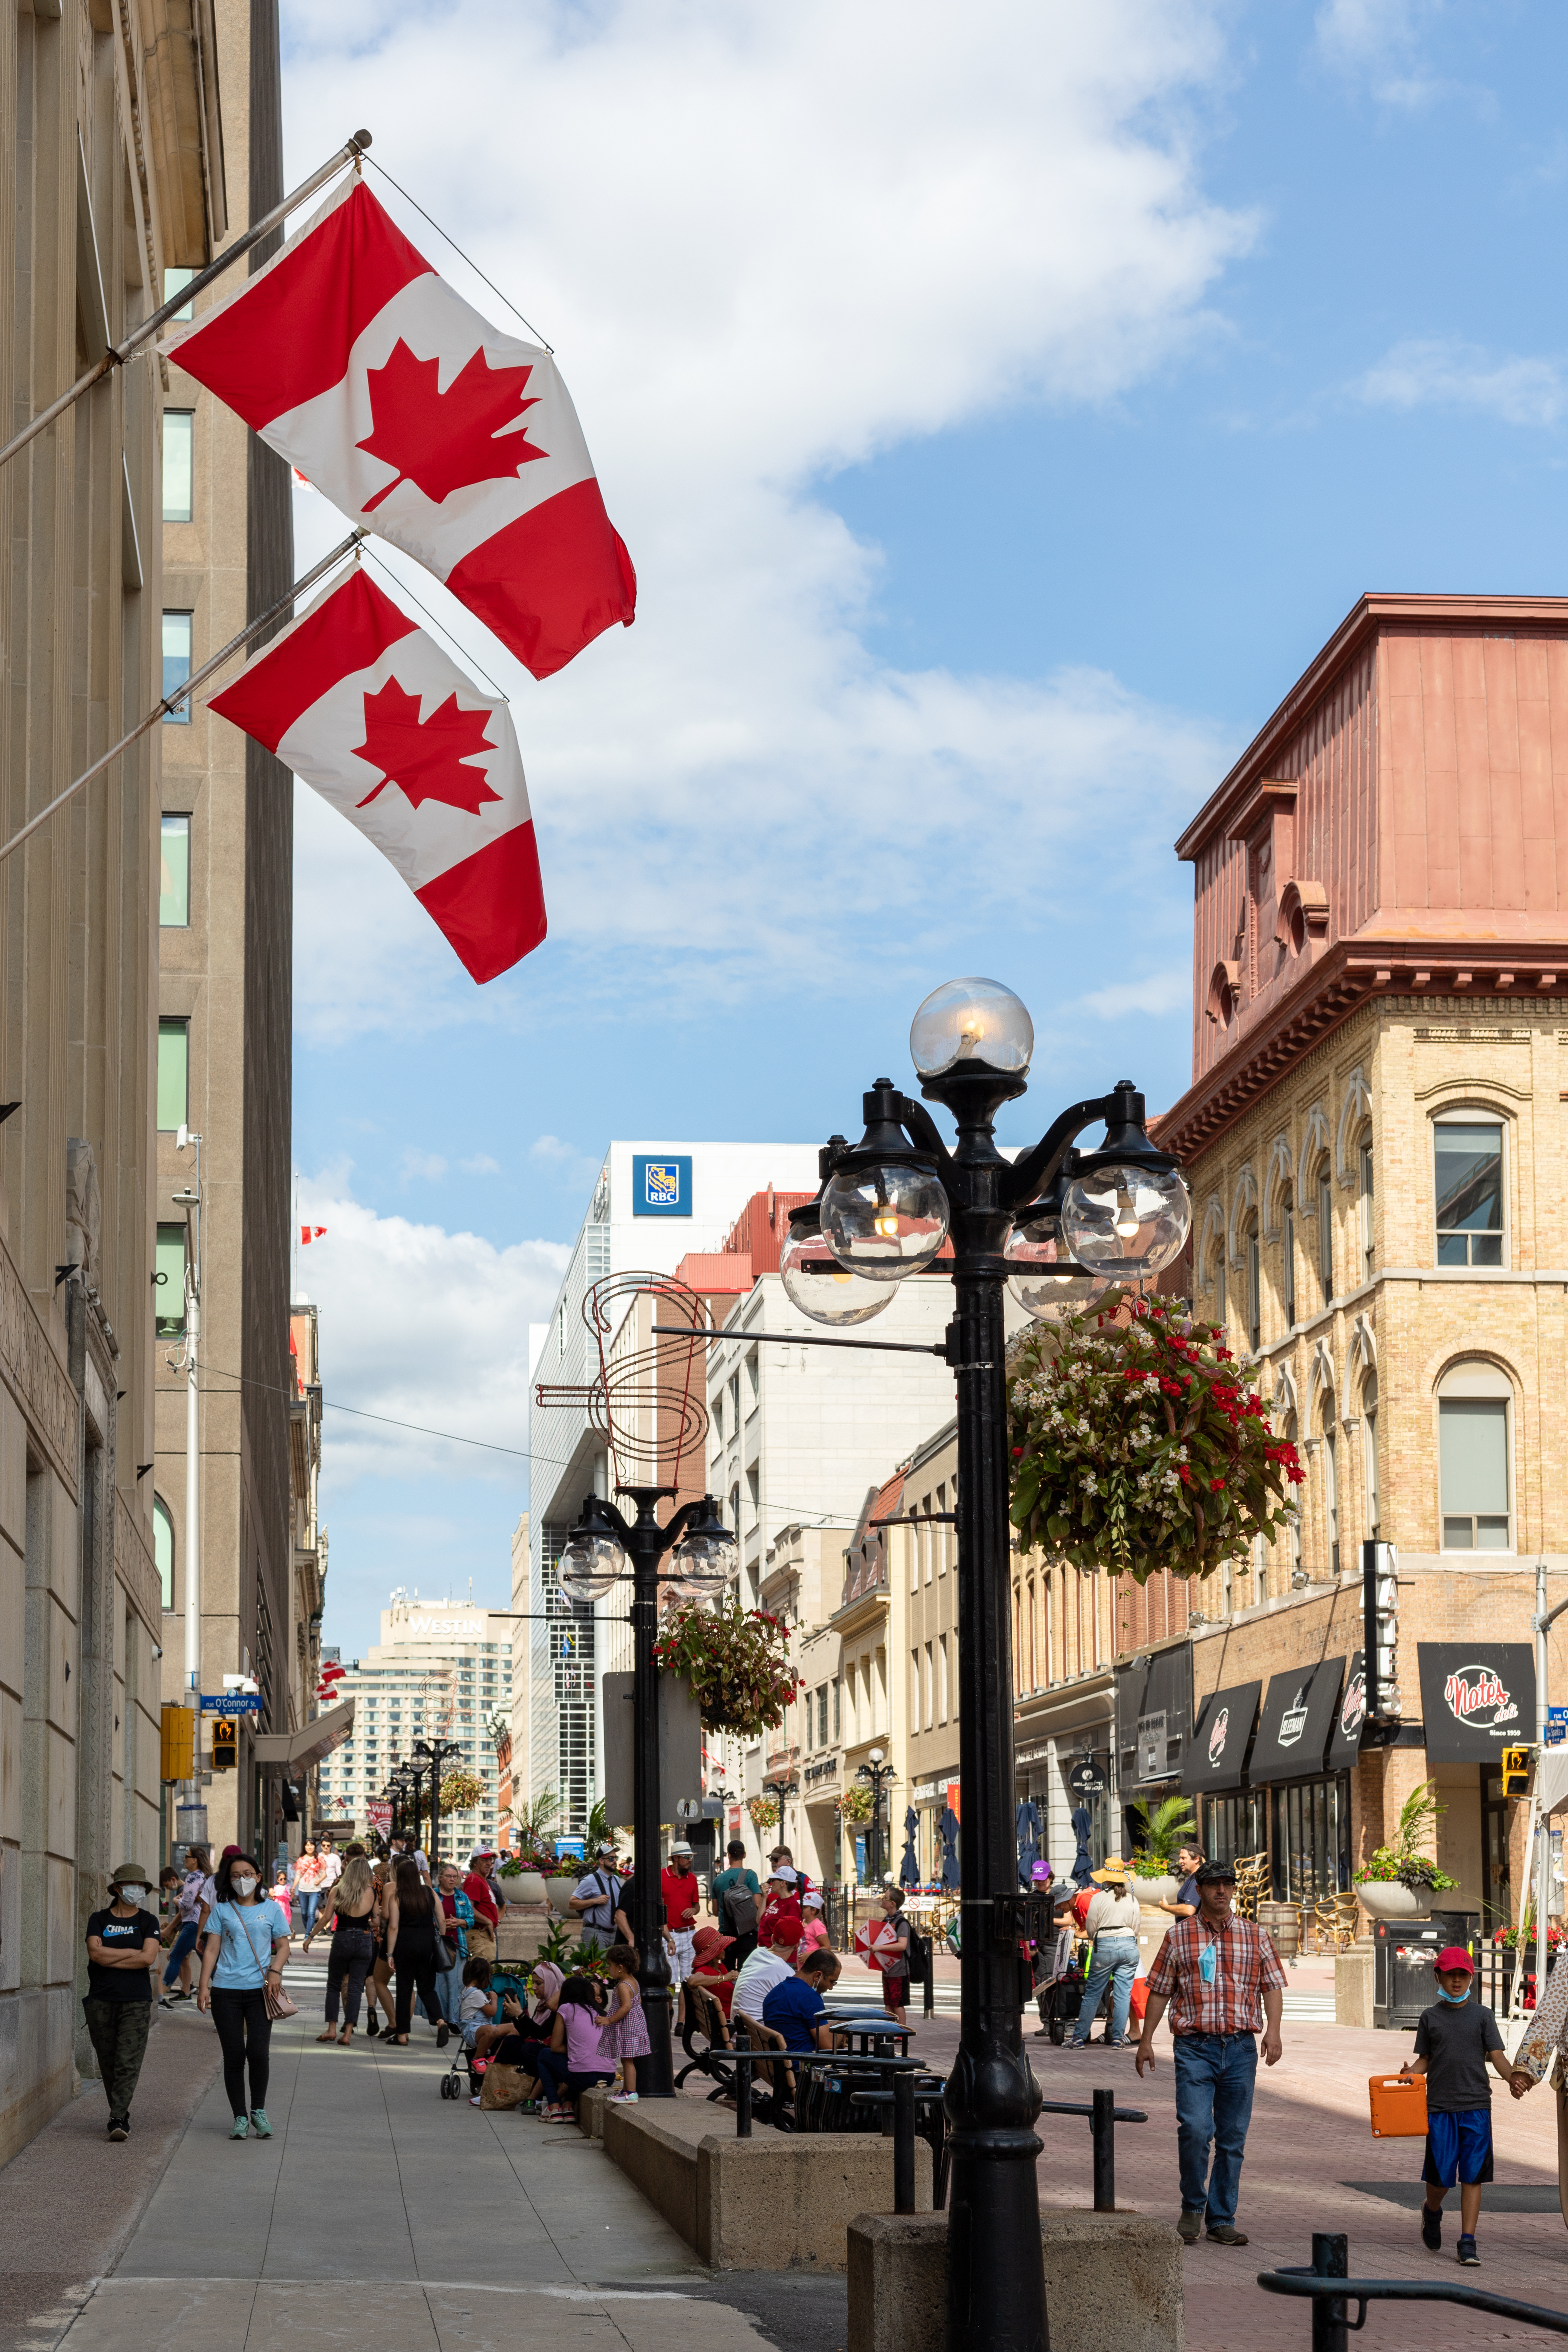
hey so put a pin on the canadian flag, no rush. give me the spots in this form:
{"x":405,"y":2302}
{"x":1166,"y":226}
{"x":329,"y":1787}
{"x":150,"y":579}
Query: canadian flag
{"x":358,"y":700}
{"x":385,"y":389}
{"x":311,"y":1233}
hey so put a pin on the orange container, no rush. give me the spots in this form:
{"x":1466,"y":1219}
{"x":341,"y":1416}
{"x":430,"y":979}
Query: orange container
{"x":1398,"y":2106}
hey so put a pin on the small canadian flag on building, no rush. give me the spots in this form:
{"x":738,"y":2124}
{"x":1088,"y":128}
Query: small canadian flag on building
{"x":360,"y":703}
{"x":383,"y":388}
{"x":311,"y":1233}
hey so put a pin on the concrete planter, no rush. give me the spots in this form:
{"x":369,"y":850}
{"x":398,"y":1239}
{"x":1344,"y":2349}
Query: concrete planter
{"x":560,"y":1892}
{"x":1154,"y":1891}
{"x":521,"y":1886}
{"x":1386,"y":1898}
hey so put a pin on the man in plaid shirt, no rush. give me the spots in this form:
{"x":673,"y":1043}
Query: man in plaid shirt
{"x":1226,"y":1980}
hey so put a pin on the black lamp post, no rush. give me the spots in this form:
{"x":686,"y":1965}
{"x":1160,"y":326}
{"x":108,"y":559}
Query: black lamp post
{"x":436,"y":1753}
{"x":594,"y":1557}
{"x":1061,"y":1227}
{"x":877,"y":1775}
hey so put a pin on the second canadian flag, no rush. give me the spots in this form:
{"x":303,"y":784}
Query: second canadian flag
{"x":360,"y":703}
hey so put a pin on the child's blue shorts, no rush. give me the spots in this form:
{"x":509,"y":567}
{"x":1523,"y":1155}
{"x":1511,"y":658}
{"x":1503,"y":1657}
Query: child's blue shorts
{"x":1460,"y":2146}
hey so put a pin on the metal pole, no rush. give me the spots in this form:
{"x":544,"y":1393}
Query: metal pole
{"x":646,"y":1542}
{"x":1543,"y":1854}
{"x":903,"y":2143}
{"x":182,"y":693}
{"x":1331,"y":2259}
{"x":1102,"y":2124}
{"x":121,"y":351}
{"x":743,"y":2085}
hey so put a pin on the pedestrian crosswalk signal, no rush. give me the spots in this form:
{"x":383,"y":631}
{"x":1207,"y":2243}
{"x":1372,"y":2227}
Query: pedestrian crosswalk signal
{"x":1515,"y":1771}
{"x":226,"y":1743}
{"x":177,"y":1744}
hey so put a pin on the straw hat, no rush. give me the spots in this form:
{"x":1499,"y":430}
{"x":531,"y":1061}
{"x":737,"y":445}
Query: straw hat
{"x":1111,"y":1872}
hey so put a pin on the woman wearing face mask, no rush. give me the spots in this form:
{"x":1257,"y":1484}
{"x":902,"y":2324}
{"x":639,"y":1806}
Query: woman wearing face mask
{"x":247,"y":1946}
{"x":121,"y":1949}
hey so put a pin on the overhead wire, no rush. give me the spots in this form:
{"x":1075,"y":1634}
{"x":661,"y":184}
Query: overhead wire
{"x":456,"y":248}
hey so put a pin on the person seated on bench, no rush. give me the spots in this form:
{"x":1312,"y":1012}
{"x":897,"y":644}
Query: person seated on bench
{"x":794,"y":2008}
{"x":514,"y":2039}
{"x":708,"y":1951}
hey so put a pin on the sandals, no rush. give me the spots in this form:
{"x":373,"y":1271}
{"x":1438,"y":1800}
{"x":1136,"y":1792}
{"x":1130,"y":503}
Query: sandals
{"x":345,"y":2037}
{"x":330,"y":2034}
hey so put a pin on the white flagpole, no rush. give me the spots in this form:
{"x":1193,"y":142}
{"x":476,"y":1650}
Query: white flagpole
{"x":118,"y":353}
{"x":197,"y":678}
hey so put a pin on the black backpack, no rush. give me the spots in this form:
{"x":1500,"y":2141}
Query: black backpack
{"x":917,"y":1957}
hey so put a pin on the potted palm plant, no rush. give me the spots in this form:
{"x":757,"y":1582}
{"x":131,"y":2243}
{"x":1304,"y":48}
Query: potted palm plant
{"x":521,"y":1877}
{"x":1161,"y":1830}
{"x":1399,"y":1883}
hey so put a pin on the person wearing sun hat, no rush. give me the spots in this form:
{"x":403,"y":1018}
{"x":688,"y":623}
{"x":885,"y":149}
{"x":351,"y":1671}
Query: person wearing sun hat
{"x":1111,"y":1924}
{"x":708,"y":1966}
{"x":1455,"y":2041}
{"x":123,"y":1948}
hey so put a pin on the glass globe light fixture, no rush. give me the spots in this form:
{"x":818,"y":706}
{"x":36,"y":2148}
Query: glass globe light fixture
{"x":704,"y":1562}
{"x":885,"y":1221}
{"x":1123,"y":1220}
{"x":1045,"y":1278}
{"x":589,"y":1565}
{"x":818,"y":1285}
{"x":971,"y":1021}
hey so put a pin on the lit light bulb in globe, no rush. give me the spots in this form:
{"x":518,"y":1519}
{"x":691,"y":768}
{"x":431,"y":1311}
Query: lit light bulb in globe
{"x":971,"y":1021}
{"x":1044,"y":1277}
{"x":885,"y":1221}
{"x":1124,"y":1221}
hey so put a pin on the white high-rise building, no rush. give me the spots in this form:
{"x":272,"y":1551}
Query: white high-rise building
{"x":653,"y":1204}
{"x":441,"y":1669}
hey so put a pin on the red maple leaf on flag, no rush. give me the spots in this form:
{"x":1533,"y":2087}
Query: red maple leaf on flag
{"x":442,"y":441}
{"x":425,"y":761}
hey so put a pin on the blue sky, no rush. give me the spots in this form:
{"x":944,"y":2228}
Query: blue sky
{"x":1001,"y":405}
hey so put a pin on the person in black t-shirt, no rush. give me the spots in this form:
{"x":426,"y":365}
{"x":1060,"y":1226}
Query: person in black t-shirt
{"x":1455,"y":2041}
{"x":122,"y":1951}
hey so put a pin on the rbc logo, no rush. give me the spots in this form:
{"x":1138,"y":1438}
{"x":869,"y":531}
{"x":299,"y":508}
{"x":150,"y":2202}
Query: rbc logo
{"x":662,"y":1178}
{"x":661,"y":1187}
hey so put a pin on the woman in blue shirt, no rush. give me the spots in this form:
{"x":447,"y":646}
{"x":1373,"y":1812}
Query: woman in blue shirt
{"x":242,"y":1960}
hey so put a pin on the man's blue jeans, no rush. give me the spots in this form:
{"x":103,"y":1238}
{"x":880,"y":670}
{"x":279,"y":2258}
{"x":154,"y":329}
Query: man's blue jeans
{"x":1215,"y":2077}
{"x":1116,"y":1958}
{"x":449,"y":1989}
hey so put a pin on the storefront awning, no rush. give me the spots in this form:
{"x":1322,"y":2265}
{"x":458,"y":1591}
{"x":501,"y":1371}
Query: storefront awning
{"x":1349,"y":1716}
{"x":297,"y":1750}
{"x":1298,"y":1715}
{"x":1476,"y":1699}
{"x":1154,"y":1714}
{"x":1217,"y":1756}
{"x":1552,"y":1780}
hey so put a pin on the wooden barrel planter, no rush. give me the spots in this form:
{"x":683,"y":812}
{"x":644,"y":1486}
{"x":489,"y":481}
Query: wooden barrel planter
{"x":1283,"y":1922}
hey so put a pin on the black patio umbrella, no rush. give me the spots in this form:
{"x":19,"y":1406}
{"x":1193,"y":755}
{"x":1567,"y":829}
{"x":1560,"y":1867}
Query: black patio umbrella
{"x":908,"y":1868}
{"x":950,"y":1876}
{"x":1083,"y":1868}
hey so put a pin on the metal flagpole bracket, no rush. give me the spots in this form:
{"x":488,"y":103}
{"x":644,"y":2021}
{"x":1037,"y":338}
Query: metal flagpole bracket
{"x":118,"y":353}
{"x":181,"y":693}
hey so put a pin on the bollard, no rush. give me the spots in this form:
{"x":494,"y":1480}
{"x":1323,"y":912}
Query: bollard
{"x":903,"y":2143}
{"x":742,"y":2084}
{"x":1102,"y":2125}
{"x":1331,"y":2259}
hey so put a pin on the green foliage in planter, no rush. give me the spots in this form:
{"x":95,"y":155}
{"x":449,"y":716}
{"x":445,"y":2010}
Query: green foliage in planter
{"x":736,"y":1660}
{"x":855,"y":1804}
{"x":1161,"y":1830}
{"x":461,"y":1791}
{"x":1398,"y":1862}
{"x":1135,"y":1445}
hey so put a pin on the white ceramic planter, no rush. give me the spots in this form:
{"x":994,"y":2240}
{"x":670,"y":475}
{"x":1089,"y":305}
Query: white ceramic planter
{"x":560,"y":1892}
{"x":1154,"y":1890}
{"x":1386,"y":1898}
{"x":521,"y":1886}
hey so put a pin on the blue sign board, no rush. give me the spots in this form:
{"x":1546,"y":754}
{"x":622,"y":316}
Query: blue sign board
{"x":661,"y":1187}
{"x":232,"y":1703}
{"x":1556,"y":1726}
{"x":569,"y":1848}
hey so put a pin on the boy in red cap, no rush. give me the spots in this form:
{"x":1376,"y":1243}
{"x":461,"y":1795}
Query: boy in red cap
{"x":1455,"y":2039}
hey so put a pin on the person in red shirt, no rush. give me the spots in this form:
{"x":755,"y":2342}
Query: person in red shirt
{"x":708,"y":1969}
{"x":682,"y":1892}
{"x":780,"y":1928}
{"x":481,"y":1936}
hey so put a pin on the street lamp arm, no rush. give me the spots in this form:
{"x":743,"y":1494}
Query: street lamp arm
{"x":1028,"y":1177}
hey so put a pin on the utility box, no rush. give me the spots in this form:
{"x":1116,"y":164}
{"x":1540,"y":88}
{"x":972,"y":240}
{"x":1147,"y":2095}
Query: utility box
{"x":177,"y":1743}
{"x":680,"y":1747}
{"x":1403,"y":1983}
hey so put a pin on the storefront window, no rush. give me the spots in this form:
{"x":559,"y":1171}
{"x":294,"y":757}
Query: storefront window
{"x":1233,"y":1826}
{"x":1311,"y":1838}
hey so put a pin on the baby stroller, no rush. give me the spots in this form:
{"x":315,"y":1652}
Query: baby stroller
{"x":464,"y":2063}
{"x":1059,"y":1984}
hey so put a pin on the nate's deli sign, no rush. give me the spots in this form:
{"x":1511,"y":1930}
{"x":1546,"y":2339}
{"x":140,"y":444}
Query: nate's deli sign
{"x":1476,"y":1699}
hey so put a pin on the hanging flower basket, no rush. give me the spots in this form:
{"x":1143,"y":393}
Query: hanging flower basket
{"x":764,"y":1813}
{"x":855,"y":1804}
{"x":1135,"y":1445}
{"x":736,"y":1660}
{"x":461,"y":1791}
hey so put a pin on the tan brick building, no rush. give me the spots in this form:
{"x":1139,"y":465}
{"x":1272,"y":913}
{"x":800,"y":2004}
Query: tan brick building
{"x":1374,"y":1140}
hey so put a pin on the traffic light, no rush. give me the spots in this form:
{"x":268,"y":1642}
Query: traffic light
{"x":177,"y":1744}
{"x":1515,"y":1771}
{"x":226,"y":1743}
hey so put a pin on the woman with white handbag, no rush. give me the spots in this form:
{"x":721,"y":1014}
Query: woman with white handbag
{"x":242,"y":1984}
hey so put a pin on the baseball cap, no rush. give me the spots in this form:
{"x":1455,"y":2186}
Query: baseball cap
{"x":1453,"y":1955}
{"x":812,"y":1902}
{"x":784,"y":1874}
{"x":1216,"y":1874}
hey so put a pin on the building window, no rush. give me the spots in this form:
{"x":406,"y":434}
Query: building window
{"x":174,"y":875}
{"x":941,"y":1679}
{"x":173,"y":1075}
{"x":1254,"y":1291}
{"x":929,"y":1680}
{"x":1295,"y":1507}
{"x":1369,"y":1452}
{"x":1469,"y":1192}
{"x":1326,"y":1235}
{"x":836,"y":1718}
{"x":1220,"y":1285}
{"x":1287,"y":1257}
{"x":1366,"y":1212}
{"x":1472,"y":1437}
{"x":173,"y":279}
{"x":177,"y":664}
{"x":163,"y":1552}
{"x":822,"y":1717}
{"x":1331,"y":1487}
{"x":178,"y":424}
{"x":169,"y":1283}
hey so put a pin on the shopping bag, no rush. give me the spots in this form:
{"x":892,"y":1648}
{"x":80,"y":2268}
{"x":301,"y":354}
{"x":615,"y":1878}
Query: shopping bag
{"x":1140,"y":2002}
{"x":506,"y":2086}
{"x":1398,"y":2106}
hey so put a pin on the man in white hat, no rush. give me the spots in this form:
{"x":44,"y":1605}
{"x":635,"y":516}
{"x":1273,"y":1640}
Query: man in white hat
{"x":682,"y":1892}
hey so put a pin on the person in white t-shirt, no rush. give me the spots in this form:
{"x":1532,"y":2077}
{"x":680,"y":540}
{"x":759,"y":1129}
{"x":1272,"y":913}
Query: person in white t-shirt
{"x":757,"y":1978}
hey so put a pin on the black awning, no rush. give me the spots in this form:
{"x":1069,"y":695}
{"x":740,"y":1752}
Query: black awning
{"x":1217,"y":1757}
{"x":1476,"y":1699}
{"x":1153,"y":1715}
{"x":1350,"y":1715}
{"x":1298,"y":1718}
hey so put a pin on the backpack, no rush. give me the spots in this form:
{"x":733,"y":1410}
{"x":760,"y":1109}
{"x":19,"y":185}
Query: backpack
{"x":917,"y":1959}
{"x":742,"y":1910}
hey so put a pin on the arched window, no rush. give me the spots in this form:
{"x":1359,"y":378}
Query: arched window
{"x":1474,"y":1446}
{"x":1331,"y":1483}
{"x":1288,"y":1255}
{"x":1254,"y":1287}
{"x":163,"y":1550}
{"x":1369,"y":1451}
{"x":1363,"y":1209}
{"x":1468,"y":1148}
{"x":1296,"y":1569}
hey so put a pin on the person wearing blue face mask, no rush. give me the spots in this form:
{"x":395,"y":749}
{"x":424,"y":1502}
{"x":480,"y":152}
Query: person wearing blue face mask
{"x":1455,"y":2039}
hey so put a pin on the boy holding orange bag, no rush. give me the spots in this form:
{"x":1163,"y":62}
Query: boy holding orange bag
{"x":1455,"y":2039}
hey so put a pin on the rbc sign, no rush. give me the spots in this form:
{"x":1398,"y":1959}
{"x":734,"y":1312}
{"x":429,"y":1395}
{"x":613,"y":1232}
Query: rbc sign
{"x":661,"y":1187}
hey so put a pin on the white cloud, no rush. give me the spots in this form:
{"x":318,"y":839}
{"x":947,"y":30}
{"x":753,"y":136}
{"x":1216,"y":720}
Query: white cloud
{"x":481,"y":1164}
{"x":1377,"y":44}
{"x":767,"y":244}
{"x":429,"y":1164}
{"x":425,"y":1327}
{"x":1159,"y":992}
{"x":1449,"y":374}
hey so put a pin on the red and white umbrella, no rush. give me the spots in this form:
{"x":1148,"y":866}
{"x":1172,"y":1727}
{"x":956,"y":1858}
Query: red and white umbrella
{"x":866,"y":1939}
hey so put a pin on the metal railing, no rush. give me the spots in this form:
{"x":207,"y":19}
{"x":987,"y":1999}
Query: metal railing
{"x":1103,"y":2115}
{"x":1332,"y":2290}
